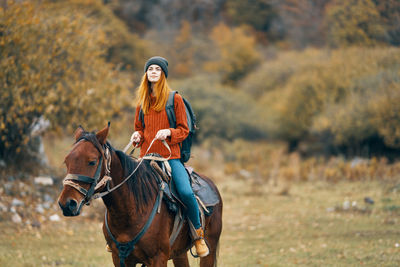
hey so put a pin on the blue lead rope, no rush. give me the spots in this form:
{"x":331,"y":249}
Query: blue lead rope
{"x":124,"y":249}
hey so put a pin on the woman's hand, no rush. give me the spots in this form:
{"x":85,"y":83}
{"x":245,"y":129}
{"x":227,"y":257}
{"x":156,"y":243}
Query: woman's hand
{"x":136,"y":137}
{"x":163,"y":134}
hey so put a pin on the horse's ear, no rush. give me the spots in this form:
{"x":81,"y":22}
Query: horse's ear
{"x":102,"y":134}
{"x":78,"y":132}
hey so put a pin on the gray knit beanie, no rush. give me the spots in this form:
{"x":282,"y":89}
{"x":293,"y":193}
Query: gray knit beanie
{"x":160,"y":61}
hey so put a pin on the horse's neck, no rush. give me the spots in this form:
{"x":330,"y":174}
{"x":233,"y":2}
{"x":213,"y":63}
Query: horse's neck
{"x":119,"y":200}
{"x":120,"y":204}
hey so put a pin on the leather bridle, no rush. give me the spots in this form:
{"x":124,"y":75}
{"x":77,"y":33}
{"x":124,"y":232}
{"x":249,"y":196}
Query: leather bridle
{"x":95,"y":181}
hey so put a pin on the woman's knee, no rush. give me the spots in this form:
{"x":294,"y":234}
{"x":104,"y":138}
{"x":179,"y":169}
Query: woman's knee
{"x":186,"y":195}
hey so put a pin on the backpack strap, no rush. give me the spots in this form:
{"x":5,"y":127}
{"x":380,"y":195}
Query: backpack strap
{"x":141,"y":116}
{"x":170,"y":109}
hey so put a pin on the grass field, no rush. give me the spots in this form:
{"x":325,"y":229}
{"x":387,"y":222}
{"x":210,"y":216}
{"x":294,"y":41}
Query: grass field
{"x":306,"y":224}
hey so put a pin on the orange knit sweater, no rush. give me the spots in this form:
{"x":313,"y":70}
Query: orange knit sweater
{"x":155,"y":121}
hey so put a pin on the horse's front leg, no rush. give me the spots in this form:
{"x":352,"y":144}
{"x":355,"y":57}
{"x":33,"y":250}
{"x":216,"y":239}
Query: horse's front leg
{"x":115,"y":258}
{"x":181,"y":260}
{"x":129,"y":262}
{"x":160,"y":260}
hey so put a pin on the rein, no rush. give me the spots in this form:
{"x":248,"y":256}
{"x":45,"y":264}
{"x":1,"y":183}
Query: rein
{"x":102,"y":194}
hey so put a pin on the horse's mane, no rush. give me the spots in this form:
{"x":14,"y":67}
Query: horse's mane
{"x":142,"y":184}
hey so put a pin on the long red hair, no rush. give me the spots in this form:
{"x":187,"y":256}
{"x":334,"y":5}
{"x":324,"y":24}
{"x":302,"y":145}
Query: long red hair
{"x":161,"y":92}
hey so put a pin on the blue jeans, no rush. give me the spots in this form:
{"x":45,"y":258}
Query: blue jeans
{"x":182,"y":184}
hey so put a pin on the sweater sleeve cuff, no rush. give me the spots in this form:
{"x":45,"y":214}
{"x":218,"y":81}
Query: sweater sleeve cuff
{"x":141,"y":138}
{"x":173,"y":137}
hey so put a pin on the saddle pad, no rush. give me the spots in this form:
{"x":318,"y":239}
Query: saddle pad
{"x":200,"y":187}
{"x":203,"y":190}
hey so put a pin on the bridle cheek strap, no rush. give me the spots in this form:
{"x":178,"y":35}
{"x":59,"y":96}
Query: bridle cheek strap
{"x":104,"y":181}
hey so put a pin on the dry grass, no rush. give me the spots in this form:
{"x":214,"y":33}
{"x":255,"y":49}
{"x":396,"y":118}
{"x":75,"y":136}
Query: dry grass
{"x":263,"y":229}
{"x":301,"y":228}
{"x":279,"y":210}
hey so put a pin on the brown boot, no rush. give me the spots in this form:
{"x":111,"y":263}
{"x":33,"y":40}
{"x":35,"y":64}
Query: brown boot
{"x":200,"y":244}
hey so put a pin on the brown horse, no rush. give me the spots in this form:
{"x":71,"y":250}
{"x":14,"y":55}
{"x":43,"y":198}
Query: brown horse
{"x":130,"y":215}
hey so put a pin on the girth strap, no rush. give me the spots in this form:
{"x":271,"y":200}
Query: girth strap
{"x":124,"y":249}
{"x":178,"y":223}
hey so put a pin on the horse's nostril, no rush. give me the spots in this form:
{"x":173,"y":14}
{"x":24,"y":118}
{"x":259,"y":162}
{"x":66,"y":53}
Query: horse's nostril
{"x":71,"y":204}
{"x":70,"y":208}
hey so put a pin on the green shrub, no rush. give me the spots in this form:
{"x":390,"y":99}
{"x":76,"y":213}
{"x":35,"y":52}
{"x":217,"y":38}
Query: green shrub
{"x":349,"y":94}
{"x":370,"y":107}
{"x":221,"y":111}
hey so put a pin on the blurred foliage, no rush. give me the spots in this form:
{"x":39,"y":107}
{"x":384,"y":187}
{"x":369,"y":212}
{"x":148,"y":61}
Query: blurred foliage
{"x":125,"y":49}
{"x":285,"y":23}
{"x":354,"y":22}
{"x":275,"y":72}
{"x":260,"y":14}
{"x":386,"y":113}
{"x":236,"y":50}
{"x":181,"y":52}
{"x":300,"y":23}
{"x":390,"y":16}
{"x":270,"y":164}
{"x":163,"y":16}
{"x":371,"y":109}
{"x":53,"y":67}
{"x":218,"y":115}
{"x":71,"y":62}
{"x":349,"y":94}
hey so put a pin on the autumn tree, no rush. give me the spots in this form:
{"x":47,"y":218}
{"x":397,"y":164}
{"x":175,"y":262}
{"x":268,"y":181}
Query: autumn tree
{"x":300,"y":22}
{"x":181,"y":52}
{"x":259,"y":14}
{"x":386,"y":114}
{"x":53,"y":67}
{"x":236,"y":53}
{"x":354,"y":22}
{"x":389,"y":11}
{"x":145,"y":15}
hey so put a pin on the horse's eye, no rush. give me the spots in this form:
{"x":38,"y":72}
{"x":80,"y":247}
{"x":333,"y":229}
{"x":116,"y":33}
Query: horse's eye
{"x":92,"y":163}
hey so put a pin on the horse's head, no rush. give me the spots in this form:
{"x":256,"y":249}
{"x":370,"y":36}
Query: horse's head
{"x":85,"y":168}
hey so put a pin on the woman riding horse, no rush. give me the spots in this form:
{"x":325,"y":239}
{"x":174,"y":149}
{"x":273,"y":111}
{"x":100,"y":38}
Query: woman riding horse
{"x":152,"y":98}
{"x":137,"y":224}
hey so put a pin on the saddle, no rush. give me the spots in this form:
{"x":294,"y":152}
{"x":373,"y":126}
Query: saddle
{"x":206,"y":196}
